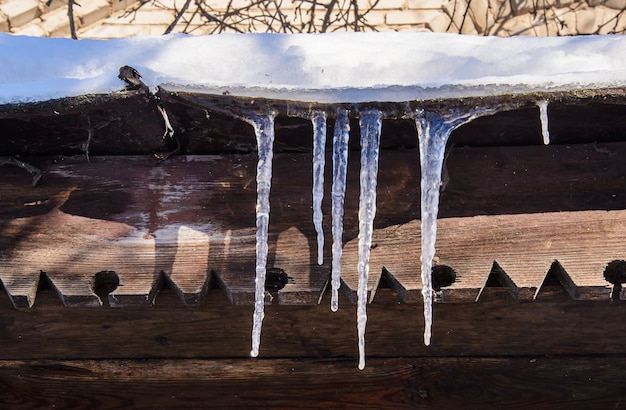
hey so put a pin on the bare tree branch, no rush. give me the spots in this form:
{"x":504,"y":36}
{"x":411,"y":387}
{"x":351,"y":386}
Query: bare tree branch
{"x":173,"y":24}
{"x":70,"y":15}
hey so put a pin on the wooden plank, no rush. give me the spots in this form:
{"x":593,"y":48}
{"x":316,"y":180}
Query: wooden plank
{"x":188,"y":251}
{"x":495,"y":326}
{"x":213,"y":198}
{"x":523,"y":248}
{"x":70,"y":251}
{"x":530,"y":382}
{"x":105,"y":124}
{"x":294,"y":256}
{"x":130,"y":122}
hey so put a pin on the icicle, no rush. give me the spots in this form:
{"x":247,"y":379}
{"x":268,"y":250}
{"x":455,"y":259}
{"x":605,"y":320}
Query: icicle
{"x":319,"y":161}
{"x":371,"y":123}
{"x":543,"y":116}
{"x":264,"y":130}
{"x":433,"y":132}
{"x":340,"y":168}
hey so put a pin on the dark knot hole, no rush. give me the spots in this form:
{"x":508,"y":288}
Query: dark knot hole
{"x":443,"y":276}
{"x":615,"y":273}
{"x":103,"y":283}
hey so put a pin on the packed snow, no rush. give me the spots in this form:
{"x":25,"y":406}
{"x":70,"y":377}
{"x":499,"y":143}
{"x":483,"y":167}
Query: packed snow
{"x":327,"y":68}
{"x":352,"y":67}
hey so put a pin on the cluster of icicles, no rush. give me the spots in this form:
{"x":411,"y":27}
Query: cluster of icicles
{"x":433,"y":128}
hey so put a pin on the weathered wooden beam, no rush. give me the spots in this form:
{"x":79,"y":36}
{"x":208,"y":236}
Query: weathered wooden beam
{"x":209,"y":123}
{"x":519,"y":250}
{"x":537,"y":382}
{"x":127,"y":122}
{"x":190,"y":220}
{"x":243,"y":105}
{"x":498,"y":325}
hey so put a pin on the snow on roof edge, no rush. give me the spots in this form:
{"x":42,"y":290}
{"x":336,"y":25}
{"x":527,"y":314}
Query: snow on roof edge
{"x":338,"y":67}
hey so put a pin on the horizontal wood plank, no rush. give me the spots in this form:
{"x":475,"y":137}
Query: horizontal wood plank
{"x":535,"y":382}
{"x":190,"y":220}
{"x":522,"y":248}
{"x":498,"y":325}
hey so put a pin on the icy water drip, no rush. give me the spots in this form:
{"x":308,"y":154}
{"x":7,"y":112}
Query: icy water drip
{"x":543,"y":116}
{"x":264,"y":131}
{"x":340,"y":169}
{"x":318,"y":118}
{"x":371,"y":124}
{"x":434,"y":129}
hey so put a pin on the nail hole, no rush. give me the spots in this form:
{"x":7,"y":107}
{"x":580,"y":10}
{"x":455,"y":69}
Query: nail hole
{"x":443,"y":276}
{"x":615,"y":273}
{"x":103,"y":283}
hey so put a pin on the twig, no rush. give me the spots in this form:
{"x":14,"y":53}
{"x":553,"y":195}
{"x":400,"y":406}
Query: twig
{"x":34,"y":171}
{"x":89,"y":136}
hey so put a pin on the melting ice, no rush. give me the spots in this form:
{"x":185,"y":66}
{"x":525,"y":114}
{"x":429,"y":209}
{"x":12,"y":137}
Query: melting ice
{"x":340,"y":170}
{"x":264,"y":131}
{"x":318,"y":118}
{"x":371,"y":123}
{"x":543,"y":117}
{"x":434,"y":129}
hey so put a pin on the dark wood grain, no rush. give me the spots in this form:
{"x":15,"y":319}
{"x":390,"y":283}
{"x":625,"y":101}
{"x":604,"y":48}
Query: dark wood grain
{"x":527,"y":382}
{"x":553,"y":324}
{"x":105,"y":124}
{"x":129,"y":122}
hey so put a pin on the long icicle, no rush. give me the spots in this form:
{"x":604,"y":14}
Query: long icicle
{"x":340,"y":168}
{"x":434,"y":129}
{"x":264,"y":131}
{"x":318,"y":118}
{"x":371,"y":124}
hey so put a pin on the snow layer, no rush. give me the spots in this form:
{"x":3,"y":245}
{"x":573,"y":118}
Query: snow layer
{"x":336,"y":67}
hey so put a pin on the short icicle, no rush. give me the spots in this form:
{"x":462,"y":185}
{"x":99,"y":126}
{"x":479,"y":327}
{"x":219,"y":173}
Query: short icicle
{"x":264,"y":131}
{"x":543,"y":116}
{"x":371,"y":123}
{"x":318,"y":118}
{"x":434,"y":129}
{"x":340,"y":169}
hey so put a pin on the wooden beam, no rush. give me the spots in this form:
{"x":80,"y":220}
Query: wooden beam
{"x":243,"y":105}
{"x":521,"y":247}
{"x":553,"y":324}
{"x":537,"y":382}
{"x":190,"y":220}
{"x":108,"y":124}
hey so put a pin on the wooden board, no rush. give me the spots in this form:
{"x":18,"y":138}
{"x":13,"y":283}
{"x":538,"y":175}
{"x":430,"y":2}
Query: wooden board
{"x":190,"y":220}
{"x":529,"y":382}
{"x":498,"y":325}
{"x":129,"y":122}
{"x":106,"y":124}
{"x":519,"y":250}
